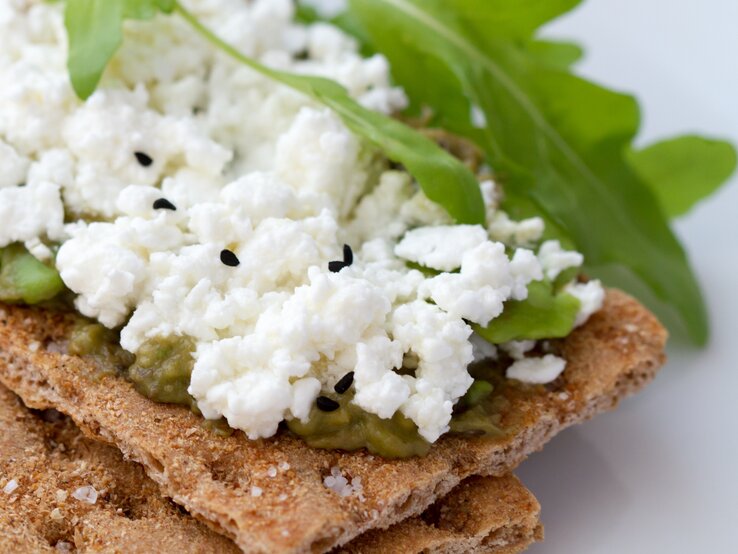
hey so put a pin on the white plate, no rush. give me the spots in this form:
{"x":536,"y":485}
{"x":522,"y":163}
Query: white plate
{"x":661,"y":473}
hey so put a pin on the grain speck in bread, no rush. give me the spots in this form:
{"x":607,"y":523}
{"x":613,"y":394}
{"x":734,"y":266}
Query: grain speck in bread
{"x":50,"y":460}
{"x":615,"y":354}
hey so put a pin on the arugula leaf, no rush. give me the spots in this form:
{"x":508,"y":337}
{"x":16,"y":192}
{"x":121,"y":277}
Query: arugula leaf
{"x":555,"y":141}
{"x":477,"y":392}
{"x":684,"y":170}
{"x":443,"y":178}
{"x":555,"y":53}
{"x":94,"y":28}
{"x":95,"y":32}
{"x":543,"y":315}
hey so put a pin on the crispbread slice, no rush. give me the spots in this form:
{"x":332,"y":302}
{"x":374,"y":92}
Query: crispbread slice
{"x":482,"y":514}
{"x":49,"y":459}
{"x":615,"y":354}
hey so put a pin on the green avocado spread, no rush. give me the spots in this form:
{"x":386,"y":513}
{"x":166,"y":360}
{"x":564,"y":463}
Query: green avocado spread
{"x":162,"y":368}
{"x":351,"y":428}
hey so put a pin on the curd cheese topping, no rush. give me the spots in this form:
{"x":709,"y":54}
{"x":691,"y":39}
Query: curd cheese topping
{"x":204,"y":200}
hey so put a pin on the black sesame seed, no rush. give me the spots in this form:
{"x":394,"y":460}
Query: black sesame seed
{"x":229,"y":258}
{"x":143,"y":158}
{"x":344,"y":383}
{"x":335,"y":267}
{"x":164,"y":204}
{"x":348,"y":255}
{"x":326,"y":404}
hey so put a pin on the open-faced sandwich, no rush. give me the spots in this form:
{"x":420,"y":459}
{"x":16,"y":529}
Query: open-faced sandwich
{"x":321,"y":309}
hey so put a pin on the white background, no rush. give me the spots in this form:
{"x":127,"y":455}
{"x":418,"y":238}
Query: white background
{"x":661,"y":473}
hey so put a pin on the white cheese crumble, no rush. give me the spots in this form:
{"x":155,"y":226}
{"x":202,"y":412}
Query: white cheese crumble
{"x":537,"y":371}
{"x":591,"y":296}
{"x":441,"y":247}
{"x":30,"y":212}
{"x":13,"y":166}
{"x":555,"y":259}
{"x":517,"y":349}
{"x":486,"y":280}
{"x":261,"y":171}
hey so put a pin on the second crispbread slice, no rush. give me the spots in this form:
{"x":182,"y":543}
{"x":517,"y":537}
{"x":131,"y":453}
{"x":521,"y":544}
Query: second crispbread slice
{"x":227,"y":480}
{"x":45,"y":460}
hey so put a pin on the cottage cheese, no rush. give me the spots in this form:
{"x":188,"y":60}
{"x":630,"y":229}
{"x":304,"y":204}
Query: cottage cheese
{"x":255,"y":168}
{"x":591,"y":296}
{"x":30,"y":212}
{"x":13,"y":166}
{"x":537,"y":371}
{"x":555,"y":259}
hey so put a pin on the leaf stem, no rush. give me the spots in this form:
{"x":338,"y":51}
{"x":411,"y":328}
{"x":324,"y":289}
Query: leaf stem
{"x":214,"y":39}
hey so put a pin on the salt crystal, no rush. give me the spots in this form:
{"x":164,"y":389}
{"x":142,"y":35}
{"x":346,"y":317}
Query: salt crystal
{"x":56,"y":514}
{"x":10,"y":486}
{"x":63,"y":546}
{"x":282,"y":497}
{"x":272,"y":471}
{"x":61,"y":495}
{"x":86,"y":494}
{"x":284,"y":466}
{"x":34,"y":346}
{"x":340,"y":485}
{"x":256,"y":491}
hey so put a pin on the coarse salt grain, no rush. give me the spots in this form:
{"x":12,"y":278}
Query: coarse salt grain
{"x":256,"y":491}
{"x":86,"y":494}
{"x":272,"y":471}
{"x":10,"y":486}
{"x":61,"y":495}
{"x":284,"y":466}
{"x":282,"y":497}
{"x":34,"y":346}
{"x":340,"y":485}
{"x":64,"y":546}
{"x":56,"y":514}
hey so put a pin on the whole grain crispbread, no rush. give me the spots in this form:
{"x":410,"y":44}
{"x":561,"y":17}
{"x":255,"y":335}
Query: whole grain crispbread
{"x":615,"y":354}
{"x":49,"y":460}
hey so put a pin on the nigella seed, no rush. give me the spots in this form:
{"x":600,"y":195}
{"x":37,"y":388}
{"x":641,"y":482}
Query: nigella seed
{"x":164,"y":204}
{"x":348,"y":255}
{"x":326,"y":404}
{"x":143,"y":158}
{"x":344,"y":383}
{"x":335,"y":267}
{"x":348,"y":259}
{"x":229,"y":258}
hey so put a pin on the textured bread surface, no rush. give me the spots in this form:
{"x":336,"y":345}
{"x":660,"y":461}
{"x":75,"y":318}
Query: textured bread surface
{"x":49,"y":459}
{"x":615,"y":354}
{"x":482,"y":514}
